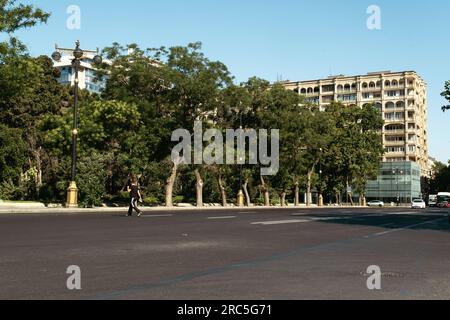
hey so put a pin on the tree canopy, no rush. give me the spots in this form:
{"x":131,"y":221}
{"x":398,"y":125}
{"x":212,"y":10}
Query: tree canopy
{"x":446,"y":95}
{"x":149,"y":94}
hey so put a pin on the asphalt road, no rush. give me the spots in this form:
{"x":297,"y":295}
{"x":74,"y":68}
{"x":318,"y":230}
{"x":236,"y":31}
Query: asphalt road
{"x":257,"y":255}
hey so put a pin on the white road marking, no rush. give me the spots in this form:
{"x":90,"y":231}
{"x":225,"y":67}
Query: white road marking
{"x":218,"y":218}
{"x":379,"y":234}
{"x":403,"y":213}
{"x":268,"y":223}
{"x":157,"y":216}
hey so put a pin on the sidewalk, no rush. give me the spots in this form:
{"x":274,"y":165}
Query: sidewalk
{"x":39,"y":208}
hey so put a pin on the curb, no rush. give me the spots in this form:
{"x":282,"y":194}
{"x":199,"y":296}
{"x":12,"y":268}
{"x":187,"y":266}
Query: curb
{"x":100,"y":210}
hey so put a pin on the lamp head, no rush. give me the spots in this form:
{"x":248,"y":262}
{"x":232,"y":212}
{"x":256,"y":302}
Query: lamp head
{"x":98,"y":60}
{"x":78,"y":53}
{"x":56,"y":56}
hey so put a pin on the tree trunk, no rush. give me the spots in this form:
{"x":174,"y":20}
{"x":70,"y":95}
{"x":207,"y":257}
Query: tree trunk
{"x":297,"y":194}
{"x":222,"y":190}
{"x":349,"y":194}
{"x":169,"y":185}
{"x":199,"y":188}
{"x":38,"y":181}
{"x":283,"y":199}
{"x":247,"y":195}
{"x":308,"y":187}
{"x":265,"y":191}
{"x":338,"y":198}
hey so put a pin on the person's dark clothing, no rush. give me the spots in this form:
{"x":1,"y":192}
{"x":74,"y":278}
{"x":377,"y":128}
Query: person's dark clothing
{"x":133,"y":206}
{"x":134,"y":195}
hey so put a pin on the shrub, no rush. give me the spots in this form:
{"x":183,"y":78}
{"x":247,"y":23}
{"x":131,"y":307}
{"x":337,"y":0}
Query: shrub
{"x":151,"y":201}
{"x":178,"y":199}
{"x":91,"y":180}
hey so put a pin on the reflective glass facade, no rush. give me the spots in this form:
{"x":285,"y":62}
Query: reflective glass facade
{"x":397,"y":182}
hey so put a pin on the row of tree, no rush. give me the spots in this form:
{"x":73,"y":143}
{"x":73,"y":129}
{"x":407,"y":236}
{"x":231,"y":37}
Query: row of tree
{"x":149,"y":94}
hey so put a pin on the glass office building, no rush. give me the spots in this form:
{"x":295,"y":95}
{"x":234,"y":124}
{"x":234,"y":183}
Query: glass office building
{"x":398,"y":182}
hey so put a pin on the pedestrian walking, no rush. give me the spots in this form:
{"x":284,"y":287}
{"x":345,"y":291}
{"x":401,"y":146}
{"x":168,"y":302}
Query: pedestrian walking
{"x":135,"y":195}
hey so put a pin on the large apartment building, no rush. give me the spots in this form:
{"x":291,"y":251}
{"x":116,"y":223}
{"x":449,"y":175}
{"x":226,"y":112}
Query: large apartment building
{"x":401,"y":98}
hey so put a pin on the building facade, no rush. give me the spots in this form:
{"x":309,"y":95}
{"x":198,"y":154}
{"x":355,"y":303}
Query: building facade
{"x":401,"y":97}
{"x":86,"y":75}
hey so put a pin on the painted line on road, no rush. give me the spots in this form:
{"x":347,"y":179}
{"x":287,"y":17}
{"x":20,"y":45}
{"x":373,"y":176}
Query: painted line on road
{"x":157,"y":216}
{"x":403,"y":213}
{"x":379,"y":234}
{"x":269,"y":223}
{"x":244,"y":212}
{"x":221,"y":218}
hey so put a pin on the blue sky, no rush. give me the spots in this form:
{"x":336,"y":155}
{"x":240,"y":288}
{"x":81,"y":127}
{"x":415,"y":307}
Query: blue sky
{"x":295,"y":39}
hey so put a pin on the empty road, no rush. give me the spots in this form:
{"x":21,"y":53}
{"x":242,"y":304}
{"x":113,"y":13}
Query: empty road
{"x":233,"y":254}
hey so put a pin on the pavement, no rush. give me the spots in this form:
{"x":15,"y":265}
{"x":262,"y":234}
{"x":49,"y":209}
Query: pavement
{"x":234,"y":254}
{"x":40,"y":208}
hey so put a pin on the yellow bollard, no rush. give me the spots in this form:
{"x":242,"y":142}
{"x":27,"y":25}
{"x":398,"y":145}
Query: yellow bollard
{"x":320,"y":200}
{"x":240,"y":199}
{"x":72,"y":196}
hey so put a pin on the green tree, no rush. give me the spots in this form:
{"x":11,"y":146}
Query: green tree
{"x":446,"y":95}
{"x":32,"y":94}
{"x":111,"y":128}
{"x":16,"y":16}
{"x":173,"y":88}
{"x":12,"y":154}
{"x":440,"y":182}
{"x":355,"y":155}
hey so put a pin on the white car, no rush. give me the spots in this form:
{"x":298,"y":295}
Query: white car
{"x":418,"y":204}
{"x":376,"y":203}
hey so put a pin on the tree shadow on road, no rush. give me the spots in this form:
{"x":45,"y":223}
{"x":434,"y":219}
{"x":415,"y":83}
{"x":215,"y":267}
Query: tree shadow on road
{"x":435,"y":222}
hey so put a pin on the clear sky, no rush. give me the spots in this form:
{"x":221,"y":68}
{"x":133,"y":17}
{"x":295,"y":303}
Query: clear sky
{"x":295,"y":39}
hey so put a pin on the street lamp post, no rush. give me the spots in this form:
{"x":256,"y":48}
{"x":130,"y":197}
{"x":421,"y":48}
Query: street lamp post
{"x":78,"y":55}
{"x":320,"y":200}
{"x":401,"y":192}
{"x":397,"y":172}
{"x":240,"y":196}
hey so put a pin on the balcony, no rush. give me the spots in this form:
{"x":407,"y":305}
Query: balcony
{"x":394,"y":143}
{"x":391,"y":132}
{"x":371,"y":89}
{"x":394,"y":121}
{"x":394,"y":154}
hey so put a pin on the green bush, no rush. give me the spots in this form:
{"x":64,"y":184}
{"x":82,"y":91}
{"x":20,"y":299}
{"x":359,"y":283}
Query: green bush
{"x":91,"y":180}
{"x":121,"y":198}
{"x":178,"y":199}
{"x":151,"y":201}
{"x":8,"y":191}
{"x":13,"y":151}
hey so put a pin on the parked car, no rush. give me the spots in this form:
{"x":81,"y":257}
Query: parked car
{"x":432,"y":200}
{"x":418,"y":204}
{"x":376,"y":203}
